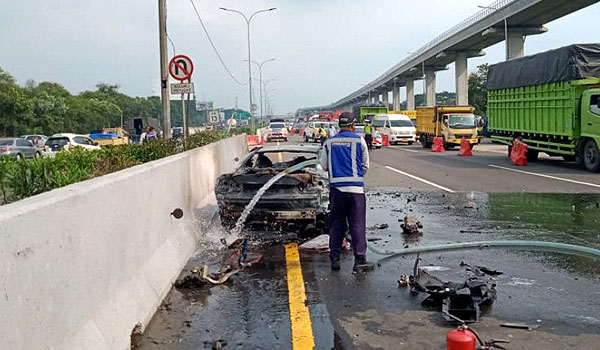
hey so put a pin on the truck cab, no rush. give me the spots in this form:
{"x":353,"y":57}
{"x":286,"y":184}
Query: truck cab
{"x":452,"y":123}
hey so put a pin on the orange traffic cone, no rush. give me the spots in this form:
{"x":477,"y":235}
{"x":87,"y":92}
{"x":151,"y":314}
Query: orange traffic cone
{"x":465,"y":148}
{"x":438,"y":144}
{"x":518,"y":155}
{"x":385,"y":140}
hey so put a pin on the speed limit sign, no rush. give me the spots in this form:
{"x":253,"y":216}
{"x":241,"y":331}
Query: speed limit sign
{"x":181,"y":67}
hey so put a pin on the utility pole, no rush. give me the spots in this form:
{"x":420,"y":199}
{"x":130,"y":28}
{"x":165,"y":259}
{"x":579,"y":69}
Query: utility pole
{"x":164,"y":70}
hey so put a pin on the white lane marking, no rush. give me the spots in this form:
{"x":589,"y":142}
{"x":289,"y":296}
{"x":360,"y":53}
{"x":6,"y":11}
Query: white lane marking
{"x":546,"y":176}
{"x":420,"y":179}
{"x":406,"y":150}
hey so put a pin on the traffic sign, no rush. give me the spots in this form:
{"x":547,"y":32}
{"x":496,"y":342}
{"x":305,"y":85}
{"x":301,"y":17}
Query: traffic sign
{"x":213,"y":116}
{"x":181,"y":67}
{"x":182,"y":88}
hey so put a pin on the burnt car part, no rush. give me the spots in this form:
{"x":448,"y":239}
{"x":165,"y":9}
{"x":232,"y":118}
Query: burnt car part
{"x":460,"y":298}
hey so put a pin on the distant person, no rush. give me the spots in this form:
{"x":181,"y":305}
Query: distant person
{"x":150,"y":134}
{"x":332,"y":130}
{"x":346,"y":158}
{"x":368,"y":134}
{"x":323,"y":133}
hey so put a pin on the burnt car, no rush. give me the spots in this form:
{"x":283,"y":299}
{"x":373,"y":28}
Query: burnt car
{"x":298,"y":202}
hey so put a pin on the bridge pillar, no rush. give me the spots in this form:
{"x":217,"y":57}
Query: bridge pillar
{"x":385,"y":98}
{"x":462,"y":79}
{"x":430,"y":84}
{"x":410,"y":95}
{"x":515,"y":45}
{"x":396,"y":96}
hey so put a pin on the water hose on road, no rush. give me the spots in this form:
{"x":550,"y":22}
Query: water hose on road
{"x":513,"y":244}
{"x":301,"y":166}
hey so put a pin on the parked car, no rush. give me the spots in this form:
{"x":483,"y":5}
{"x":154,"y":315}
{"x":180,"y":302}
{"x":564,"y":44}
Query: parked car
{"x":59,"y":142}
{"x":359,"y":128}
{"x":298,"y":202}
{"x":312,"y":130}
{"x":18,"y":148}
{"x":398,"y":127}
{"x":37,"y":140}
{"x":177,"y":132}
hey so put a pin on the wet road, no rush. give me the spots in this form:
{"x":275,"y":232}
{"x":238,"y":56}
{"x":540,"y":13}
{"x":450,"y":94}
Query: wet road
{"x":559,"y":294}
{"x":489,"y":170}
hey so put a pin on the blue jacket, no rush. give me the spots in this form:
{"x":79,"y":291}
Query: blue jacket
{"x":347,"y":158}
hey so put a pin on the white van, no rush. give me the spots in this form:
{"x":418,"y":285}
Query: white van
{"x":398,"y":127}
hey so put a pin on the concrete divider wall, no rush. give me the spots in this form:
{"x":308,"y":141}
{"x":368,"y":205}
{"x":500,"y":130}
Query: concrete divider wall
{"x":80,"y":266}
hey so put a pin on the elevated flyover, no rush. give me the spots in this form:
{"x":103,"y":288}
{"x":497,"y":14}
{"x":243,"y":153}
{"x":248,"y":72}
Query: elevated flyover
{"x":504,"y":20}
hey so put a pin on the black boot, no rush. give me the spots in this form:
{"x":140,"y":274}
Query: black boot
{"x":362,"y":265}
{"x":335,"y":264}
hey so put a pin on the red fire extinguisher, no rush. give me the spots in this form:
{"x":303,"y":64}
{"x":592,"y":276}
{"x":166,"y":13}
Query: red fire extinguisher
{"x":461,"y":339}
{"x":465,"y":338}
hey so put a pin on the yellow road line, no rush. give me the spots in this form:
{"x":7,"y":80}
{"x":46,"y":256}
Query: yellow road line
{"x":302,"y":335}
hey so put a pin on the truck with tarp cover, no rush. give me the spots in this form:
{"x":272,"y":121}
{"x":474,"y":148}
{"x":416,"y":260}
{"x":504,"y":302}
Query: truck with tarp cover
{"x":368,"y":112}
{"x":551,"y":102}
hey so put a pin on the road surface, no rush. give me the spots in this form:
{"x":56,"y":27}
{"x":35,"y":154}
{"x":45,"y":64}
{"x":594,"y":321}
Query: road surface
{"x":292,"y":301}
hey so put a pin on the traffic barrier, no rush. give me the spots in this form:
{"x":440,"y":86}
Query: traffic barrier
{"x":263,"y":140}
{"x":465,"y":148}
{"x":518,"y":155}
{"x":253,"y":140}
{"x":385,"y":140}
{"x":94,"y":281}
{"x":438,"y":144}
{"x":291,"y":132}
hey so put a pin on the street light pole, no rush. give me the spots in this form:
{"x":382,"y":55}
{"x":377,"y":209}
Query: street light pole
{"x":248,"y":19}
{"x":260,"y":81}
{"x":164,"y":71}
{"x":264,"y":86}
{"x":505,"y":26}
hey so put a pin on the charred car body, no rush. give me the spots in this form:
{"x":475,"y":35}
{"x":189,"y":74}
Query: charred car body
{"x":298,"y":202}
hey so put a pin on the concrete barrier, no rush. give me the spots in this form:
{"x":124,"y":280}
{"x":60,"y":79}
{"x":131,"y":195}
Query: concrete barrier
{"x":82,"y":265}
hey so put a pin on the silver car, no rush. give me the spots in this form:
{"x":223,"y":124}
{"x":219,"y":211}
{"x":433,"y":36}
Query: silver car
{"x":18,"y":148}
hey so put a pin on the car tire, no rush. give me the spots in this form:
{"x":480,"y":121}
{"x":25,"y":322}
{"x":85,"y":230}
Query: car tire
{"x":37,"y":155}
{"x":591,"y":156}
{"x":410,"y":143}
{"x":20,"y":156}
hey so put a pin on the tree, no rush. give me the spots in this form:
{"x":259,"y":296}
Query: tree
{"x":15,"y":110}
{"x":478,"y":89}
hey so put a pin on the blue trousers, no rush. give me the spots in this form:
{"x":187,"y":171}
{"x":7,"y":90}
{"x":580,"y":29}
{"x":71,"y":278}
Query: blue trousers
{"x":347,"y":211}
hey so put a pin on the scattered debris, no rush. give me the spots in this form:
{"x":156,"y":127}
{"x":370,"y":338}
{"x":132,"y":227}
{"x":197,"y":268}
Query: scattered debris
{"x":215,"y":345}
{"x":319,"y":244}
{"x":379,"y":227}
{"x":470,"y":231}
{"x":518,"y":326}
{"x":462,"y":299}
{"x":411,"y":225}
{"x":404,"y":281}
{"x":374,"y":239}
{"x":481,"y":270}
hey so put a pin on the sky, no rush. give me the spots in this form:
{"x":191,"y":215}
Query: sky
{"x":323,"y":49}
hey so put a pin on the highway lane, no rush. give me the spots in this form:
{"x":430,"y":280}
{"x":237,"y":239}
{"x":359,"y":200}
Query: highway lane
{"x":489,"y":170}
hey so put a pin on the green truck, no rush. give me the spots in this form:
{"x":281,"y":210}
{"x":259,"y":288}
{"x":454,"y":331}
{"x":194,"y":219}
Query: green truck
{"x":368,"y":112}
{"x":550,"y":101}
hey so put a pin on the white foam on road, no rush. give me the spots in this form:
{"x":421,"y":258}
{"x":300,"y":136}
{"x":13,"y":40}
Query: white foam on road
{"x":546,"y":176}
{"x":420,"y":179}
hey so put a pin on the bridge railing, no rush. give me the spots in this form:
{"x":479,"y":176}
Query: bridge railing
{"x":497,"y":6}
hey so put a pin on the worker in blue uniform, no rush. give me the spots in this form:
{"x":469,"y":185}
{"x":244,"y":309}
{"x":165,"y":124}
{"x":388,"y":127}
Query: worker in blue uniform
{"x":346,"y":157}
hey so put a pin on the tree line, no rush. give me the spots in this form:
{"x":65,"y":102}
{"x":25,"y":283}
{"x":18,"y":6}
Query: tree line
{"x":49,"y":108}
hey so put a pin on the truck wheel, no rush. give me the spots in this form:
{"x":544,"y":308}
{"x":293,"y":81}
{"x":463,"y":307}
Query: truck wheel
{"x":424,"y":142}
{"x":532,"y":155}
{"x":591,"y":156}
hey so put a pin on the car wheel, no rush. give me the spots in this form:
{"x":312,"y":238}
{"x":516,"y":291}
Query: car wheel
{"x":410,"y":143}
{"x":305,"y":138}
{"x":591,"y":156}
{"x":20,"y":156}
{"x":37,"y":155}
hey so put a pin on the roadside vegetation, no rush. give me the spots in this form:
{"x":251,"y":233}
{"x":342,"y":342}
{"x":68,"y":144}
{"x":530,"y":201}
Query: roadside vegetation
{"x":25,"y":178}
